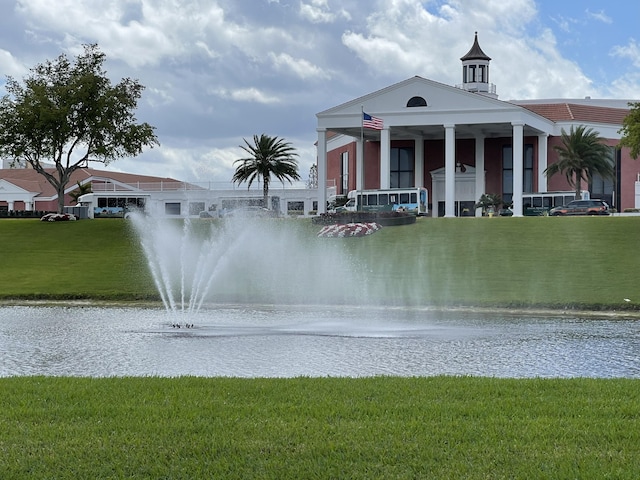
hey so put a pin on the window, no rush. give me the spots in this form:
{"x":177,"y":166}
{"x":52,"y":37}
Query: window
{"x":344,"y":172}
{"x":417,"y":102}
{"x":527,"y":181}
{"x":171,"y":208}
{"x":507,"y":171}
{"x":602,"y":188}
{"x":402,"y":167}
{"x":295,"y":207}
{"x":196,"y":207}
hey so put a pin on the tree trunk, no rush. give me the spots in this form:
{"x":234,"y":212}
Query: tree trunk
{"x":61,"y":198}
{"x":265,"y":195}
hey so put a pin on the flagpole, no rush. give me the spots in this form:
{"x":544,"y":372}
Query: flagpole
{"x":361,"y":172}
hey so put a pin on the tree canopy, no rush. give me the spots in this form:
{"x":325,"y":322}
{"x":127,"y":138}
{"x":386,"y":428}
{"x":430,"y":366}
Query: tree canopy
{"x":267,"y":156}
{"x":67,"y":113}
{"x":582,"y":154}
{"x":630,"y":130}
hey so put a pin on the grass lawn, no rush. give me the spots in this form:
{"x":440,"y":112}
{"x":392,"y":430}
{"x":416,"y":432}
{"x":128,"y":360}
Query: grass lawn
{"x":382,"y":428}
{"x":555,"y":262}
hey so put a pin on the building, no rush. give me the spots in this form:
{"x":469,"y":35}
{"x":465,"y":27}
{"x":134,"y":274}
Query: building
{"x":462,"y":141}
{"x":24,"y":189}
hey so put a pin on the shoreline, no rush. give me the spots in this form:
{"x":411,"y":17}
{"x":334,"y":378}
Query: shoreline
{"x":608,"y":313}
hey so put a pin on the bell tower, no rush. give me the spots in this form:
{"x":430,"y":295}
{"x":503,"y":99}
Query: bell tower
{"x":475,"y":71}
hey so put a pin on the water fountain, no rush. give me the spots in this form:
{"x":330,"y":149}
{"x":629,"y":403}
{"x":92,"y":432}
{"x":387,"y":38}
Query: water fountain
{"x":269,"y":298}
{"x":242,"y":259}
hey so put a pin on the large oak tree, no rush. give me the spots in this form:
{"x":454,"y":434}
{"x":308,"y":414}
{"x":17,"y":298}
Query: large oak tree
{"x":631,"y":130}
{"x":66,"y":113}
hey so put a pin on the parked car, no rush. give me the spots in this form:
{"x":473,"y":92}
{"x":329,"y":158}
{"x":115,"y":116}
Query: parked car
{"x":582,"y":207}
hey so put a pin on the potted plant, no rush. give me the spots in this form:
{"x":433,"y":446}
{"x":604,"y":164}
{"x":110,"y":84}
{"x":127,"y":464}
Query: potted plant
{"x":490,"y":203}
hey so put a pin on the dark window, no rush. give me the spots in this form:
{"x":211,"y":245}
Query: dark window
{"x":417,"y":102}
{"x":602,"y":188}
{"x":172,"y":208}
{"x":507,"y":173}
{"x":527,"y":181}
{"x":402,"y":167}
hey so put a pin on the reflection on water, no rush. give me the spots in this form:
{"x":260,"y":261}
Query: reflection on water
{"x":265,"y":341}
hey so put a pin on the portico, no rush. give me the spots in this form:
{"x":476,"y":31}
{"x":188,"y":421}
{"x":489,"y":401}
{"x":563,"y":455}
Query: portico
{"x":449,"y":127}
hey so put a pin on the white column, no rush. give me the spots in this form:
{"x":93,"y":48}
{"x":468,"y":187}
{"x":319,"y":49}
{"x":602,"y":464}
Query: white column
{"x":480,"y":177}
{"x":449,"y":171}
{"x":419,"y":161}
{"x":10,"y":205}
{"x":322,"y":170}
{"x":542,"y":161}
{"x":518,"y":167}
{"x":359,"y":164}
{"x":385,"y":159}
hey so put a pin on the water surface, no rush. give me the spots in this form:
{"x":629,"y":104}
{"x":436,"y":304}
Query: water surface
{"x":269,"y":341}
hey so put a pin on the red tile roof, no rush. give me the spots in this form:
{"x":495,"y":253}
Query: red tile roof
{"x":33,"y":182}
{"x":558,"y":112}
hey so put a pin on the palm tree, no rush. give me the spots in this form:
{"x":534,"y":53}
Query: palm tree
{"x":81,"y":190}
{"x":268,"y":156}
{"x":582,"y":155}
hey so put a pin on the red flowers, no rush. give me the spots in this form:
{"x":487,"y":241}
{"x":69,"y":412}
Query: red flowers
{"x":349,"y":230}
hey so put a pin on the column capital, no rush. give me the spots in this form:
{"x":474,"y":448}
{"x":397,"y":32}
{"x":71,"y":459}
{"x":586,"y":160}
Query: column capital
{"x":321,"y":129}
{"x":450,"y":125}
{"x":518,"y":124}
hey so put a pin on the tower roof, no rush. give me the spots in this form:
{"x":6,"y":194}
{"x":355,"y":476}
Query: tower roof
{"x":476,"y":52}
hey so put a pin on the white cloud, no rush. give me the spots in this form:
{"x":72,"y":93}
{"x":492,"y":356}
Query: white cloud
{"x":409,"y":40}
{"x":246,"y":95}
{"x":299,"y":66}
{"x":318,"y":11}
{"x":600,"y":16}
{"x":11,"y":66}
{"x":631,"y":51}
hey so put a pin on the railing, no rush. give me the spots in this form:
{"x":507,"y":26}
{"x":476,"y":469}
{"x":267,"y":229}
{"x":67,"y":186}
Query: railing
{"x":175,"y":186}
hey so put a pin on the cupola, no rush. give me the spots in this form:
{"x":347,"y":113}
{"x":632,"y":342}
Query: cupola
{"x":475,"y":71}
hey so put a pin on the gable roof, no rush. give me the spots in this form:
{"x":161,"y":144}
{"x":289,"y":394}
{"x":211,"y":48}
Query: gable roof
{"x":34,"y":182}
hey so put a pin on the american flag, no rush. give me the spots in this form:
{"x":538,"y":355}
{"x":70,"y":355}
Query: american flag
{"x":369,"y":121}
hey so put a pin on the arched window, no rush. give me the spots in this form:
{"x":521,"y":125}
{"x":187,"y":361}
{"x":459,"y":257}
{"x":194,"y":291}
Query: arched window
{"x":417,"y":102}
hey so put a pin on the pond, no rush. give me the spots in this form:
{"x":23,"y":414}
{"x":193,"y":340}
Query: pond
{"x":290,"y":341}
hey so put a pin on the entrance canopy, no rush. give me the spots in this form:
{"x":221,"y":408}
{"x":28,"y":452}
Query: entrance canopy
{"x":419,"y":109}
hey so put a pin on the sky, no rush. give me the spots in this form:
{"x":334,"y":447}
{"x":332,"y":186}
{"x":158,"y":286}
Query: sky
{"x":217,"y":72}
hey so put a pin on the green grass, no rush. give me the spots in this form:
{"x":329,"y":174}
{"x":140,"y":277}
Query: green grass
{"x":537,"y":261}
{"x":65,"y":260}
{"x":381,"y":427}
{"x":579,"y":262}
{"x":319,"y":428}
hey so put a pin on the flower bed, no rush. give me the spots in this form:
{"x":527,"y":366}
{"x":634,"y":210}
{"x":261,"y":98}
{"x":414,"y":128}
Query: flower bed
{"x":57,"y":217}
{"x":381,"y":218}
{"x":341,"y":230}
